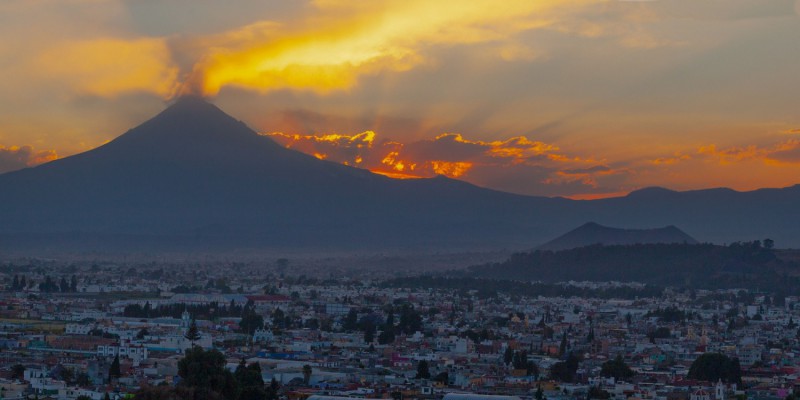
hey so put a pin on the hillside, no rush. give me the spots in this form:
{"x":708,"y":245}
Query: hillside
{"x":739,"y":265}
{"x":592,"y":233}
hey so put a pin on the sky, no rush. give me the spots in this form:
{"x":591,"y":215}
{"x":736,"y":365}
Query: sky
{"x":582,"y":99}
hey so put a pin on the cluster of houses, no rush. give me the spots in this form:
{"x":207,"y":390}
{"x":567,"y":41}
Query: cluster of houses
{"x":329,"y":338}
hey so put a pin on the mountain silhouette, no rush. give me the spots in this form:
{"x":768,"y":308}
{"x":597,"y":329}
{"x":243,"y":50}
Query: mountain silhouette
{"x":593,"y":233}
{"x":193,"y":177}
{"x":194,"y":174}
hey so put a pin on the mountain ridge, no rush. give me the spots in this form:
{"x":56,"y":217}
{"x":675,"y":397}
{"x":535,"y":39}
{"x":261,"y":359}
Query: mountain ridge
{"x":196,"y":176}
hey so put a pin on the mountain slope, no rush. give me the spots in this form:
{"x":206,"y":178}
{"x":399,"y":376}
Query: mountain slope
{"x":193,"y":171}
{"x":193,"y":177}
{"x":592,"y":233}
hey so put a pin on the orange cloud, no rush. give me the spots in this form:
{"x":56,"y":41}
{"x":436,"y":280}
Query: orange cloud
{"x":784,"y":152}
{"x":18,"y":157}
{"x":674,"y":159}
{"x":352,"y":39}
{"x":516,"y":164}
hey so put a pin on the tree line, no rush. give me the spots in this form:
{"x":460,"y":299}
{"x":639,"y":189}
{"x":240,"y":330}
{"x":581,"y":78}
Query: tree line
{"x":740,"y":264}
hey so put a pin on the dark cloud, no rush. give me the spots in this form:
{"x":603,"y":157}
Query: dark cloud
{"x":15,"y":157}
{"x":596,"y":168}
{"x":789,"y":153}
{"x":447,"y":147}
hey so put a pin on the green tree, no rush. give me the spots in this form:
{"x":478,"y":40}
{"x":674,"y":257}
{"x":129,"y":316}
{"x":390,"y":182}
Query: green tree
{"x":616,"y":369}
{"x":142,"y":333}
{"x":387,"y":334}
{"x":192,"y":334}
{"x":250,"y":322}
{"x":597,"y":393}
{"x":17,"y":371}
{"x":508,"y":356}
{"x":423,"y":370}
{"x":82,"y":379}
{"x":565,"y":371}
{"x":250,"y":381}
{"x":539,"y":393}
{"x":204,"y":374}
{"x":715,"y":366}
{"x":272,"y":390}
{"x":114,"y":371}
{"x":307,"y":370}
{"x":350,"y":321}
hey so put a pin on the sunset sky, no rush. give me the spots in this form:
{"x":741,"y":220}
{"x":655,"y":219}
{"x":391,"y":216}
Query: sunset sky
{"x":568,"y":98}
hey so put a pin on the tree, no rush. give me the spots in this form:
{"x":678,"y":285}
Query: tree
{"x":369,"y":334}
{"x":204,"y":374}
{"x":387,"y":334}
{"x":715,"y":366}
{"x":272,"y":390}
{"x":410,"y":320}
{"x":307,"y":374}
{"x":660,"y":333}
{"x":597,"y":393}
{"x":114,"y":371}
{"x":142,"y":333}
{"x":564,"y":371}
{"x":508,"y":356}
{"x":250,"y":381}
{"x":562,"y":348}
{"x":351,"y":321}
{"x":616,"y":369}
{"x":82,"y":379}
{"x":278,"y":318}
{"x":539,"y":392}
{"x":192,"y":334}
{"x":423,"y":371}
{"x":250,"y":322}
{"x":17,"y":371}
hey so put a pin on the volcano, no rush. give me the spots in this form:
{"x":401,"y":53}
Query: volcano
{"x":193,"y":177}
{"x":193,"y":174}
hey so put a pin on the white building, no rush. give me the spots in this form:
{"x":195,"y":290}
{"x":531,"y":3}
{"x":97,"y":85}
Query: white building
{"x":133,"y":352}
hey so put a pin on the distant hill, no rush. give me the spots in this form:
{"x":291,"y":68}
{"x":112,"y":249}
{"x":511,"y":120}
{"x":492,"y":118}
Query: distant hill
{"x":739,"y":265}
{"x":593,"y":233}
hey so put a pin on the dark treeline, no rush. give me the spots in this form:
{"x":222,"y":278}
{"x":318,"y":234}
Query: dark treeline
{"x":209,"y":311}
{"x":739,"y":265}
{"x":486,"y":288}
{"x":671,"y":314}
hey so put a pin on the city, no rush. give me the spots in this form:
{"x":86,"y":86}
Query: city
{"x":121,"y":331}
